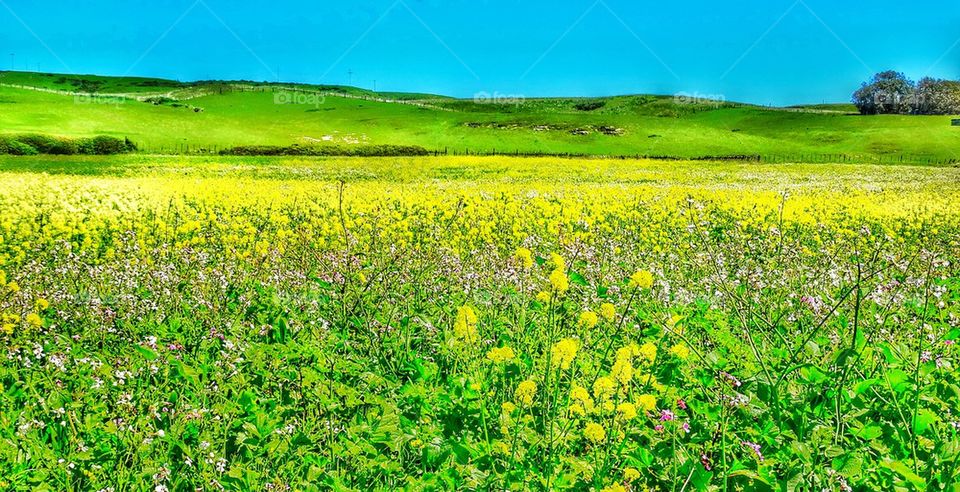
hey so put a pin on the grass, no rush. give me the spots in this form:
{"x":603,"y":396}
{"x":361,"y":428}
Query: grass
{"x":495,"y":323}
{"x":626,"y":125}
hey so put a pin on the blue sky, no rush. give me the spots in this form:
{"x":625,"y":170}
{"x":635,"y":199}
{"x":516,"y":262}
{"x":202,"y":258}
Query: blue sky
{"x":766,"y":52}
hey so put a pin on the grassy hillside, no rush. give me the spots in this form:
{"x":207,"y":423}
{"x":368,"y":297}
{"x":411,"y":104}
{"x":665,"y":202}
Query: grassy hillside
{"x":167,"y":114}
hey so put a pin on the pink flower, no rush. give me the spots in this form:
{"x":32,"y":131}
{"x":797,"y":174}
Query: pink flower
{"x":755,"y":448}
{"x":666,"y":416}
{"x":682,"y":404}
{"x":658,"y":428}
{"x":686,"y":427}
{"x":731,"y":379}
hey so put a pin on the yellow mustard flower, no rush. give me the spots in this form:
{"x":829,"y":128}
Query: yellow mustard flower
{"x":622,"y":371}
{"x":588,"y":319}
{"x":465,"y":326}
{"x":564,"y":352}
{"x":580,"y":401}
{"x":680,"y":350}
{"x":648,"y":352}
{"x":34,"y":320}
{"x":630,"y":474}
{"x":608,"y":311}
{"x":559,"y":281}
{"x":647,"y":402}
{"x":614,"y":487}
{"x":524,"y":257}
{"x":641,"y":280}
{"x":594,"y":432}
{"x":627,"y":411}
{"x":558,"y":262}
{"x":525,"y":392}
{"x":603,"y":388}
{"x":500,"y":354}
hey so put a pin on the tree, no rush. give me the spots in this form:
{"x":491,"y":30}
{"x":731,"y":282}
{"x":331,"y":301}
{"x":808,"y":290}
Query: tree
{"x":937,"y":96}
{"x":888,"y":92}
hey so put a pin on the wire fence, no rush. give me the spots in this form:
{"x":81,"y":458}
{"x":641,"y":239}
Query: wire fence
{"x":188,"y":149}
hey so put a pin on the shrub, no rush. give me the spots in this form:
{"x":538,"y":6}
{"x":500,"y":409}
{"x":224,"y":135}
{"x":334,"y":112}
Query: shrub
{"x":589,"y":105}
{"x":327,"y":150}
{"x":34,"y":144}
{"x":15,"y":147}
{"x":46,"y":144}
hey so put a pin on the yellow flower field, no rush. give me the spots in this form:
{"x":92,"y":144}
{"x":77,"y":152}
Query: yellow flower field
{"x":477,"y":323}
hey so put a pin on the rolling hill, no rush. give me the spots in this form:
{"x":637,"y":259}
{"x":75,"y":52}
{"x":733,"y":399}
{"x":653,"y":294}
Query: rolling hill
{"x":164,"y":116}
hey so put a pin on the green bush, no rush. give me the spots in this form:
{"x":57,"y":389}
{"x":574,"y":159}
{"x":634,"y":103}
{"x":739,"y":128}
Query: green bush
{"x":46,"y":144}
{"x":327,"y":150}
{"x":33,"y":144}
{"x":108,"y":146}
{"x":15,"y":147}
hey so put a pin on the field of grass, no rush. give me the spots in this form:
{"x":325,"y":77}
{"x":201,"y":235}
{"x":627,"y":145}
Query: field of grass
{"x":216,"y":115}
{"x":467,"y":323}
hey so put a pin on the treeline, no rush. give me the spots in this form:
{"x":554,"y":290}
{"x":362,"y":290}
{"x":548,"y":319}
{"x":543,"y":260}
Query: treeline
{"x":35,"y":144}
{"x":327,"y":150}
{"x":892,"y":92}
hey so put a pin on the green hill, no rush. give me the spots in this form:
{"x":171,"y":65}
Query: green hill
{"x":164,"y":115}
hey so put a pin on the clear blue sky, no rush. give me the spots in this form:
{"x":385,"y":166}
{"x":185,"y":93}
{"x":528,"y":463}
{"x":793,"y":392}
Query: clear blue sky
{"x":761,"y":51}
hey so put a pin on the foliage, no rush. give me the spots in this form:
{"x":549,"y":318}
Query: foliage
{"x":352,"y":324}
{"x":33,"y":144}
{"x":893,"y":93}
{"x":685,"y":127}
{"x":327,"y":150}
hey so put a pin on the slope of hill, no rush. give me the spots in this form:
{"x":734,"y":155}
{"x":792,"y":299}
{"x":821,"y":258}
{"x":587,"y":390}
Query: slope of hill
{"x":165,"y":115}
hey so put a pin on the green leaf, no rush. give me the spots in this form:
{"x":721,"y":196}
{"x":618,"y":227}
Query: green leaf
{"x":869,"y":432}
{"x":578,"y":279}
{"x":924,"y":419}
{"x":905,"y":472}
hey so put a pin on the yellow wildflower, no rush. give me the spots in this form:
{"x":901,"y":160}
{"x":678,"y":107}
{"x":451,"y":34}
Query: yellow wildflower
{"x":622,"y":371}
{"x":627,"y":411}
{"x":630,"y":474}
{"x":648,"y":352}
{"x":650,"y":380}
{"x":42,"y":304}
{"x":558,"y":262}
{"x":588,"y":319}
{"x":614,"y":487}
{"x":525,"y":257}
{"x":680,"y":350}
{"x":34,"y":320}
{"x":543,"y":297}
{"x":603,"y":388}
{"x":564,"y":352}
{"x":508,"y":407}
{"x":608,"y":311}
{"x":559,"y":281}
{"x":594,"y":432}
{"x":500,"y":354}
{"x":525,"y":392}
{"x":641,"y":280}
{"x":465,"y":327}
{"x":580,"y":401}
{"x":647,"y":402}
